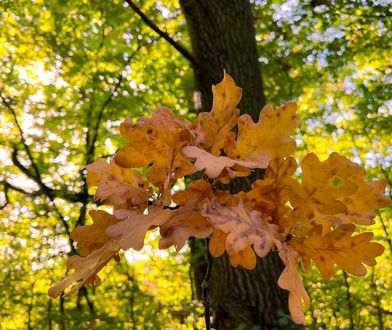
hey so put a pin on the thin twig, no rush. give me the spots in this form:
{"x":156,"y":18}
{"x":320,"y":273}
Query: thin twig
{"x":36,"y":176}
{"x":384,"y":227}
{"x":205,"y":288}
{"x":184,"y":52}
{"x":107,"y":102}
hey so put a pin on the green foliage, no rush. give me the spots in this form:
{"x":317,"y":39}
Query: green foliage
{"x":72,"y":70}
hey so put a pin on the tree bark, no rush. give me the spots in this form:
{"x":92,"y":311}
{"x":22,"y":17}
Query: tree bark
{"x":223,"y":37}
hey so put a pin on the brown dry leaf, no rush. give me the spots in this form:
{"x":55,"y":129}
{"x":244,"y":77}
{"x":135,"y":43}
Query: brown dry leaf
{"x":187,"y":221}
{"x":156,"y":141}
{"x":338,"y":247}
{"x":184,"y":223}
{"x":194,"y":194}
{"x":131,"y":231}
{"x":268,"y":138}
{"x":243,"y":228}
{"x":291,"y":280}
{"x":86,"y":269}
{"x":214,"y":165}
{"x":213,"y":128}
{"x":93,"y":237}
{"x":117,"y":186}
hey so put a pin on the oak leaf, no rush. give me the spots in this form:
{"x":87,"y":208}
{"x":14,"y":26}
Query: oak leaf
{"x":214,"y":165}
{"x":117,"y":186}
{"x":245,"y":258}
{"x":338,"y":247}
{"x":269,"y":196}
{"x":217,"y":245}
{"x":360,"y":206}
{"x":323,"y":183}
{"x":131,"y":231}
{"x":156,"y":141}
{"x":183,"y":223}
{"x":187,"y":221}
{"x":268,"y":138}
{"x":93,"y":237}
{"x":291,"y":280}
{"x":244,"y":228}
{"x":212,"y":129}
{"x":86,"y":269}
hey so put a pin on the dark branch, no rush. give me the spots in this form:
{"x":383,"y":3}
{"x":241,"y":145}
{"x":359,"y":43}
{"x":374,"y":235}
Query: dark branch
{"x":205,"y":287}
{"x":90,"y":152}
{"x":44,"y":189}
{"x":7,"y":200}
{"x":184,"y":52}
{"x":25,"y":145}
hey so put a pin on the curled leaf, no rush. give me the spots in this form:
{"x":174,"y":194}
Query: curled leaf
{"x":214,"y":165}
{"x":291,"y":280}
{"x":86,"y":269}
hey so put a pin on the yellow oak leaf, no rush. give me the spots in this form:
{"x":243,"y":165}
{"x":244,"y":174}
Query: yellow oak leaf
{"x":86,"y":269}
{"x":360,"y":205}
{"x":131,"y":231}
{"x":213,"y":128}
{"x":245,"y":258}
{"x":269,"y":196}
{"x":243,"y":228}
{"x":338,"y":247}
{"x":291,"y":280}
{"x":156,"y":141}
{"x":323,"y":183}
{"x":117,"y":186}
{"x":93,"y":237}
{"x":217,"y":245}
{"x":268,"y":138}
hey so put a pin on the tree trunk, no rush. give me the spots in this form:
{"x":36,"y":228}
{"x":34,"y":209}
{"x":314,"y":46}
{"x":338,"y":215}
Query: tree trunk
{"x":223,"y":37}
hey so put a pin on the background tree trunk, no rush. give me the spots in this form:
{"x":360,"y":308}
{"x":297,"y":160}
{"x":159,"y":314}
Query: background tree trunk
{"x":223,"y":37}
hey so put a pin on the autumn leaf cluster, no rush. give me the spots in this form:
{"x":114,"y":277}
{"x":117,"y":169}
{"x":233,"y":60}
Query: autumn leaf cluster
{"x":313,"y":219}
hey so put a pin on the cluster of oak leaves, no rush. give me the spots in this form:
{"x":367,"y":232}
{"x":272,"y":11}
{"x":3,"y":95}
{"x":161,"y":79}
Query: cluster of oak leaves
{"x":312,"y":219}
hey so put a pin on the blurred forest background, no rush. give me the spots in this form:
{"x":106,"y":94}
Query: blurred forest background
{"x":71,"y":71}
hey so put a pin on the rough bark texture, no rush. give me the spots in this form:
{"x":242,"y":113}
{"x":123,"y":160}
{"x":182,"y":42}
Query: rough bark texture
{"x":223,"y":37}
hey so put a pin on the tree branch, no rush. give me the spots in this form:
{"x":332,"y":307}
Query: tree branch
{"x":25,"y":145}
{"x":44,"y":189}
{"x":183,"y":51}
{"x":90,"y":152}
{"x":205,"y":287}
{"x":7,"y":200}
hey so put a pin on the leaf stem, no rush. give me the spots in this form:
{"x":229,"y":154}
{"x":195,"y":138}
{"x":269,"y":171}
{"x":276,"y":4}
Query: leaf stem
{"x":205,"y":287}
